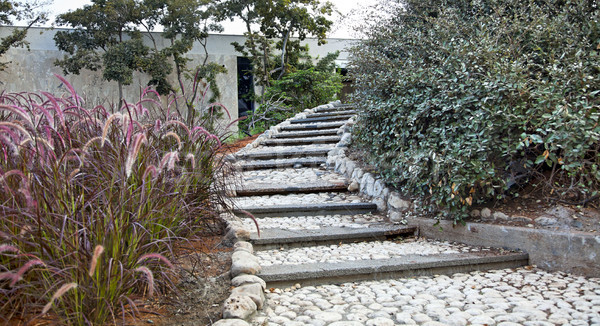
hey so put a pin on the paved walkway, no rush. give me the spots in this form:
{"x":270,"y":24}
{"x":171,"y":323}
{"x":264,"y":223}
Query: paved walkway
{"x":315,"y":251}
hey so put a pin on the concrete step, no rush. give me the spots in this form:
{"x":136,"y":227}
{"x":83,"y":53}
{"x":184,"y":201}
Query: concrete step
{"x":313,"y":126}
{"x":331,"y":113}
{"x":292,"y":153}
{"x":307,"y":209}
{"x":301,"y":141}
{"x":335,"y":108}
{"x":322,"y":119}
{"x":281,"y":163}
{"x":276,"y":238}
{"x":401,"y":267}
{"x":303,"y":188}
{"x":303,"y":134}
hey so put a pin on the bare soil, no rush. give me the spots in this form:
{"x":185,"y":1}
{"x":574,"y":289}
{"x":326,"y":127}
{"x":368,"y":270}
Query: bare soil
{"x":204,"y":283}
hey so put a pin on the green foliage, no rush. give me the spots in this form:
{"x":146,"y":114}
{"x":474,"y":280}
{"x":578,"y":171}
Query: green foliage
{"x":93,"y":204}
{"x":9,"y":10}
{"x":464,"y":100}
{"x":107,"y":37}
{"x":295,"y":92}
{"x":277,"y":20}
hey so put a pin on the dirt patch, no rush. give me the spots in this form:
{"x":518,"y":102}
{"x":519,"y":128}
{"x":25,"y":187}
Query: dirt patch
{"x":237,"y":145}
{"x":204,"y":283}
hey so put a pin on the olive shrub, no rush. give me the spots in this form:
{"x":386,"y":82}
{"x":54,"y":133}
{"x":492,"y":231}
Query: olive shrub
{"x":465,"y":101}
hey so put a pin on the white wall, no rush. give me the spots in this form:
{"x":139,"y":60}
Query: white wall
{"x":34,"y":70}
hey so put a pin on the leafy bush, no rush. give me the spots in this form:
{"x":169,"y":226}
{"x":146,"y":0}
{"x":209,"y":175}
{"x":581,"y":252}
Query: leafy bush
{"x":464,"y":100}
{"x":295,"y":92}
{"x":92,"y":203}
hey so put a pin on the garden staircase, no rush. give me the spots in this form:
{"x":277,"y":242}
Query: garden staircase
{"x":301,"y":148}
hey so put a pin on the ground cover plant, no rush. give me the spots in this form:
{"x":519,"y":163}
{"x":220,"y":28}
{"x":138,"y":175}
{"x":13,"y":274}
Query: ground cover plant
{"x":467,"y":101}
{"x":93,"y":203}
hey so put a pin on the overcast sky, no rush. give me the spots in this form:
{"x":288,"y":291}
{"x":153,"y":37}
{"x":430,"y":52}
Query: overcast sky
{"x":342,"y":27}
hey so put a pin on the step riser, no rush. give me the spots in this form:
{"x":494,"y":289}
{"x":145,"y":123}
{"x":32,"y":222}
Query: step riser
{"x":283,"y":155}
{"x":297,"y":142}
{"x":292,"y":190}
{"x":335,"y":109}
{"x":277,"y":238}
{"x":324,"y":119}
{"x":316,"y":279}
{"x":331,"y":114}
{"x":299,"y":127}
{"x":282,"y":165}
{"x":293,"y":213}
{"x":317,"y":133}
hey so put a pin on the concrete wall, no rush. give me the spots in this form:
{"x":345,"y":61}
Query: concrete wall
{"x":34,"y":70}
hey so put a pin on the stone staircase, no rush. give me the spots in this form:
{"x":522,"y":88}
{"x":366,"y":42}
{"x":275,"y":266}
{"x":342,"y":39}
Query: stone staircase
{"x":286,"y":179}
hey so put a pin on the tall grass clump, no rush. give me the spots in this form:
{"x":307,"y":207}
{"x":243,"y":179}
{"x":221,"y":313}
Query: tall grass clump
{"x":92,"y":203}
{"x":467,"y":101}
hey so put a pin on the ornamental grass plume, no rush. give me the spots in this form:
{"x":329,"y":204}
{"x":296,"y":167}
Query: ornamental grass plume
{"x":59,"y":293}
{"x":149,"y":278}
{"x":97,"y":252}
{"x":79,"y":194}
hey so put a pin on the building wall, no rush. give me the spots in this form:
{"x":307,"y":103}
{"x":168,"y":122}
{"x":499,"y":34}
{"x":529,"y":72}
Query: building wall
{"x":33,"y":70}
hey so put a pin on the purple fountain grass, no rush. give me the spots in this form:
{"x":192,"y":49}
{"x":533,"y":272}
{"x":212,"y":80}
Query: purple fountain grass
{"x":176,"y":137}
{"x":97,"y":252}
{"x":59,"y":293}
{"x":156,"y":256}
{"x":134,"y":149}
{"x":83,"y":187}
{"x":19,"y":274}
{"x":180,"y":124}
{"x":107,"y":124}
{"x":9,"y":248}
{"x":149,"y":278}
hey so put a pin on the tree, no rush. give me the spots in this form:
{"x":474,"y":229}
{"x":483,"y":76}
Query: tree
{"x":274,"y":23}
{"x":11,"y":10}
{"x":105,"y":36}
{"x":185,"y":22}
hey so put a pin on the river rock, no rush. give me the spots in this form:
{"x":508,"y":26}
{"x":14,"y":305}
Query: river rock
{"x":238,"y":306}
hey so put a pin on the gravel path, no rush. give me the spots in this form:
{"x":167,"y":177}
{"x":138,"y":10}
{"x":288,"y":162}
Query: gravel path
{"x":526,"y":296}
{"x":359,"y":251}
{"x":291,"y":176}
{"x":314,"y":222}
{"x":293,"y":199}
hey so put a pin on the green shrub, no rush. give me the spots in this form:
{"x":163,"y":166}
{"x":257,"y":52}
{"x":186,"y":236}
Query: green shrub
{"x":295,"y":92}
{"x":463,"y":100}
{"x":92,"y":204}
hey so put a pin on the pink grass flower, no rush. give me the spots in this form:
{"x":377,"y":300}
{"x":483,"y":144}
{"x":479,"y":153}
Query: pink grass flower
{"x":174,"y":135}
{"x":107,"y":124}
{"x":9,"y":248}
{"x":18,"y":111}
{"x":156,"y":256}
{"x":24,"y":269}
{"x":150,"y":170}
{"x":134,"y":149}
{"x":168,"y":161}
{"x":181,"y":124}
{"x":149,"y":277}
{"x":97,"y":252}
{"x":59,"y":293}
{"x":190,"y":157}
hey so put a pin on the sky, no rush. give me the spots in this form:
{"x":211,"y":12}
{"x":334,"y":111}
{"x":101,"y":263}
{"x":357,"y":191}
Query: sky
{"x":349,"y":10}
